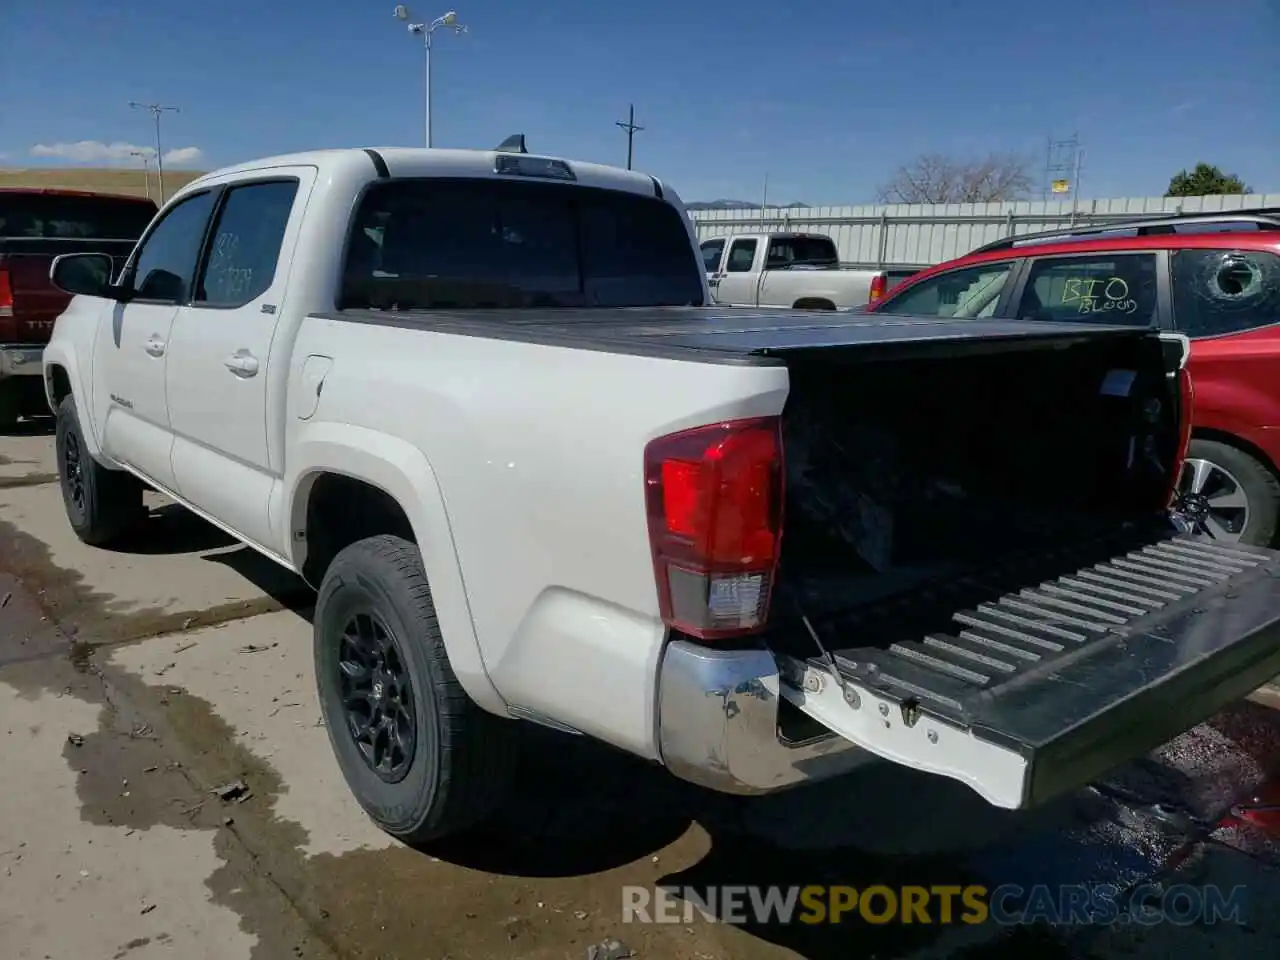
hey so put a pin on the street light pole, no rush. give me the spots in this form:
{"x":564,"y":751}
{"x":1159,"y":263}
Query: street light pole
{"x":426,"y":31}
{"x":146,"y":168}
{"x":155,"y":110}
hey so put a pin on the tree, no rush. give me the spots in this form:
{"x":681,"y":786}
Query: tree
{"x":1205,"y":180}
{"x":934,"y":178}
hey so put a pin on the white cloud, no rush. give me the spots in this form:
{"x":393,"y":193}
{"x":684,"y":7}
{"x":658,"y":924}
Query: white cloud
{"x":182,"y":155}
{"x":95,"y":151}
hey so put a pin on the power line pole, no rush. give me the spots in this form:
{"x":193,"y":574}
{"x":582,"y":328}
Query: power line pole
{"x":631,"y":127}
{"x":155,"y":109}
{"x":1061,"y":166}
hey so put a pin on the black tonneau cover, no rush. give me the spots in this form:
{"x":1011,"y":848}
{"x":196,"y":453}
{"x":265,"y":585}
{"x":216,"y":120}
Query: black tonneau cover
{"x":726,"y":334}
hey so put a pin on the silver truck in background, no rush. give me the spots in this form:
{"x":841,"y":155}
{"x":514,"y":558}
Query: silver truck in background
{"x":801,"y":271}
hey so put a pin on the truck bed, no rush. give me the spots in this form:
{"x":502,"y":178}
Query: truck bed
{"x":726,"y":334}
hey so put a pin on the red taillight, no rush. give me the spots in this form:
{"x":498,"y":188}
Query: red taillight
{"x":714,"y":498}
{"x":6,"y":293}
{"x":879,"y":285}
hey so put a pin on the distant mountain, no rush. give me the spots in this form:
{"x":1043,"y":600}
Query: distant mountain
{"x":737,"y":205}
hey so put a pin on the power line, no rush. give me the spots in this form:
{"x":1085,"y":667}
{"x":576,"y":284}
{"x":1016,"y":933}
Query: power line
{"x":632,"y":128}
{"x":155,"y":109}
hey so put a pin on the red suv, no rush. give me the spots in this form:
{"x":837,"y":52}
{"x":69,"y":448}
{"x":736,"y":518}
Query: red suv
{"x":1213,"y":277}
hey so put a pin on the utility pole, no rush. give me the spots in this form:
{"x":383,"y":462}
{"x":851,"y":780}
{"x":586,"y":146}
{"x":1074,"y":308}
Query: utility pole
{"x":146,"y":168}
{"x":155,"y":109}
{"x":630,"y":126}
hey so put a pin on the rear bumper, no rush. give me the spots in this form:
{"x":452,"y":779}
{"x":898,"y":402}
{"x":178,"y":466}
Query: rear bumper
{"x":21,"y":360}
{"x":718,"y":724}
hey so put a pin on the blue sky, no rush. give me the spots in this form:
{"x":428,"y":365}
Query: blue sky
{"x":826,"y":102}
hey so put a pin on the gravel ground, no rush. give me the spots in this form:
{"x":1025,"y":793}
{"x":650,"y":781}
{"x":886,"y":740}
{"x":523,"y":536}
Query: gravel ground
{"x":170,"y":792}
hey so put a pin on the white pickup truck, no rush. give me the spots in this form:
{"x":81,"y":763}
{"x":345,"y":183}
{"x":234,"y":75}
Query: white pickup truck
{"x":800,"y":271}
{"x":480,"y":401}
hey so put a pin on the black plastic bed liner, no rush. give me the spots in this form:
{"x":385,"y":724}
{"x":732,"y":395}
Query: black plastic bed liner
{"x":1089,"y":668}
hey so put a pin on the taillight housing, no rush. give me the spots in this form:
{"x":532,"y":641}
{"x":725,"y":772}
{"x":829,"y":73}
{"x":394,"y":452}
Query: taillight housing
{"x":714,"y":497}
{"x":6,"y":293}
{"x":879,"y":287}
{"x":1186,"y":407}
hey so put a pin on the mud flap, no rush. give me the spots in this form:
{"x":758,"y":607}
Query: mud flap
{"x":1047,"y":688}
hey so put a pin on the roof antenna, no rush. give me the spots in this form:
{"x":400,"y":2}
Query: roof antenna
{"x":513,"y":144}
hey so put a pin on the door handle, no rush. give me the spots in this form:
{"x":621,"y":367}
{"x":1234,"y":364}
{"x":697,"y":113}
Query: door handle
{"x":242,"y":364}
{"x":154,"y":345}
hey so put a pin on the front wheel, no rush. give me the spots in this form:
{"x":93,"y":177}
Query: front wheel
{"x":1238,"y":495}
{"x":101,"y":504}
{"x":420,"y":757}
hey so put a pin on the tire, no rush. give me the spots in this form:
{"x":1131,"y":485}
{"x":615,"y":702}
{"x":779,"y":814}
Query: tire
{"x":101,"y":504}
{"x":1260,"y":487}
{"x":459,"y":769}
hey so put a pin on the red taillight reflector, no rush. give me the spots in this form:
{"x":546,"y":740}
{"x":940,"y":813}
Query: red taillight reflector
{"x":879,"y":285}
{"x":6,"y":293}
{"x":714,"y":498}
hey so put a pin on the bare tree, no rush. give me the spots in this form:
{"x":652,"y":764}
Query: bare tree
{"x":934,"y":178}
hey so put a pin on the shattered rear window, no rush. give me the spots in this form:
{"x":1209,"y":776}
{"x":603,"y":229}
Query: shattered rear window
{"x":1217,"y":292}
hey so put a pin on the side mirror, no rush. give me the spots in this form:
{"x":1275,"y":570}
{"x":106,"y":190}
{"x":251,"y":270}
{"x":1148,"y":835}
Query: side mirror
{"x":82,"y":274}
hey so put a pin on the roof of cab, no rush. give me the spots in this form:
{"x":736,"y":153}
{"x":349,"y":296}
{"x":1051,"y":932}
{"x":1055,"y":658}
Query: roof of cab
{"x":429,"y":162}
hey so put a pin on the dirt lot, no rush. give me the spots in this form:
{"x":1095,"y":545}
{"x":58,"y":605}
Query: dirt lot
{"x":98,"y":179}
{"x":136,"y":684}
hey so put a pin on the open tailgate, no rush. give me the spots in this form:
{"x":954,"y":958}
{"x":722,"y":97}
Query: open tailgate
{"x":1041,"y":690}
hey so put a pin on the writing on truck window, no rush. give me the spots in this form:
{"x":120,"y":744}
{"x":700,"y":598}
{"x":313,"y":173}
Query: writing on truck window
{"x":1092,"y":295}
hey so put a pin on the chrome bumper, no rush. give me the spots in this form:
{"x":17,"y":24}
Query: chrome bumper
{"x":718,"y":724}
{"x":21,"y":361}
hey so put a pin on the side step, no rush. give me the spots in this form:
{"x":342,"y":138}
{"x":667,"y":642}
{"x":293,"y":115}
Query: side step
{"x":1054,"y":685}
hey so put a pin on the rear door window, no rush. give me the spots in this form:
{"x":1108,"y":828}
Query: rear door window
{"x":970,"y":292}
{"x":1217,"y":292}
{"x":459,"y":243}
{"x":1117,"y":288}
{"x":59,"y":216}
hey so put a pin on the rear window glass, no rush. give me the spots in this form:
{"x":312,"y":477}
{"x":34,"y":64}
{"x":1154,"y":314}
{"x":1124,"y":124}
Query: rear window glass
{"x":65,"y":217}
{"x":802,"y":251}
{"x":456,"y":243}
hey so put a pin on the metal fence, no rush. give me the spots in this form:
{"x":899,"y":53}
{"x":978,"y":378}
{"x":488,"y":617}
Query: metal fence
{"x":917,"y":235}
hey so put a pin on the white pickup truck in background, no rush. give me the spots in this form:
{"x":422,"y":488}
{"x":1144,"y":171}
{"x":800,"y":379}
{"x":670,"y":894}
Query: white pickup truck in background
{"x":481,"y":401}
{"x":800,"y":271}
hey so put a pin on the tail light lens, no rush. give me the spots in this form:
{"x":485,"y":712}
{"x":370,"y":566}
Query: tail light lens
{"x":879,"y":286}
{"x":714,"y":498}
{"x":6,"y":293}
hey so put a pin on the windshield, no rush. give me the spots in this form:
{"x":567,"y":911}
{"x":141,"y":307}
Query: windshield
{"x":51,"y":215}
{"x":471,"y":243}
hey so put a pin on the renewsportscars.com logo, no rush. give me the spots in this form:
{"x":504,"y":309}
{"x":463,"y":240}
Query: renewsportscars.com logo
{"x":1008,"y":904}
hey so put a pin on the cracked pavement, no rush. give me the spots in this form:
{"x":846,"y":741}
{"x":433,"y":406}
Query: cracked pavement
{"x":136,"y":683}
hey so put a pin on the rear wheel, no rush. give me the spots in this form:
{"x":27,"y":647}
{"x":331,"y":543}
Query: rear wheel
{"x":420,"y":757}
{"x":1239,"y":495}
{"x":10,"y":404}
{"x":101,"y":504}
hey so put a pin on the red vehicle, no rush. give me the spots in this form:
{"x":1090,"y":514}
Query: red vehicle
{"x":35,"y":226}
{"x":1213,"y":277}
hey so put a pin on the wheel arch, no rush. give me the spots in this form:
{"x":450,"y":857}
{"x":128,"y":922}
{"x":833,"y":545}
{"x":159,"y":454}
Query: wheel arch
{"x":397,"y":484}
{"x":1237,"y":441}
